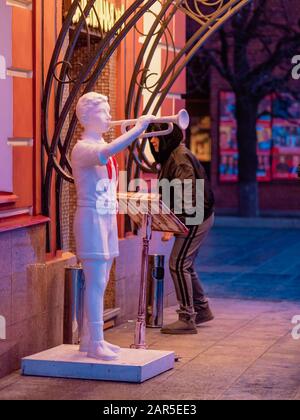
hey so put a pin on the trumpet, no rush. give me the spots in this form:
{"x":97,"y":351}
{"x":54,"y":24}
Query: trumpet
{"x":182,"y":119}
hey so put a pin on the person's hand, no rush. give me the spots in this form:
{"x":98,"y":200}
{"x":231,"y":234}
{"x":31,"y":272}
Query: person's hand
{"x":167,"y":236}
{"x":144,"y":121}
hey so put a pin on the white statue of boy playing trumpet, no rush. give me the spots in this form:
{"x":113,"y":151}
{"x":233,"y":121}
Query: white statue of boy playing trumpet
{"x":96,"y":175}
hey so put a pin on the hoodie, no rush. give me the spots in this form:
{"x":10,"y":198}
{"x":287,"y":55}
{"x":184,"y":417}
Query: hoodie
{"x":167,"y":143}
{"x":178,"y":162}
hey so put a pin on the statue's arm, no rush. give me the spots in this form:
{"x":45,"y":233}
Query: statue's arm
{"x":125,"y":139}
{"x":86,"y":155}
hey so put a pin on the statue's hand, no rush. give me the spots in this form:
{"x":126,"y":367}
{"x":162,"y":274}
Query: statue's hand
{"x":143,"y":121}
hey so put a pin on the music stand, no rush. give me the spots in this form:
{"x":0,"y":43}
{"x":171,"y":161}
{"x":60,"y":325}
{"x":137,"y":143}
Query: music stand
{"x":149,"y":213}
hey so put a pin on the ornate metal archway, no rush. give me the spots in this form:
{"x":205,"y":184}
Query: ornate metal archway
{"x":210,"y":15}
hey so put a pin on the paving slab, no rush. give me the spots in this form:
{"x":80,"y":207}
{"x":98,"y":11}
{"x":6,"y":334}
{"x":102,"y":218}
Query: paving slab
{"x":251,"y":263}
{"x":247,"y":352}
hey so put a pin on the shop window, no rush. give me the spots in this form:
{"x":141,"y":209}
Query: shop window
{"x":6,"y":99}
{"x":278,"y":134}
{"x":200,"y":140}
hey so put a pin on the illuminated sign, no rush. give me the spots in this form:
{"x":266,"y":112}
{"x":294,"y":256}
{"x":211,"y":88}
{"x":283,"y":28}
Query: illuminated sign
{"x":104,"y":12}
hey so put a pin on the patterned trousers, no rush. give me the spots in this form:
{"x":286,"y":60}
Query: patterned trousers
{"x":189,"y":289}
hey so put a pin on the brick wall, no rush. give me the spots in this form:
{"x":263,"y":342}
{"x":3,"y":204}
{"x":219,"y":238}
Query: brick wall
{"x":31,"y":295}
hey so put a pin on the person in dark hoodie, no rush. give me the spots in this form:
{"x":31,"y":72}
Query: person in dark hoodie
{"x":177,"y":162}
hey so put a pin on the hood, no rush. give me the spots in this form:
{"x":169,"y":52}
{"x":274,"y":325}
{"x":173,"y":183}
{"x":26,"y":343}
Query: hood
{"x":167,"y":143}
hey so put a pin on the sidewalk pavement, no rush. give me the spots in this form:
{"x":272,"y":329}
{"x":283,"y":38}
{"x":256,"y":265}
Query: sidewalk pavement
{"x":251,"y":263}
{"x":247,"y":352}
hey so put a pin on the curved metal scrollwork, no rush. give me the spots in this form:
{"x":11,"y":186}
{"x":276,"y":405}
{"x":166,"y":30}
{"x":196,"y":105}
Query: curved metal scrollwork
{"x":56,"y":148}
{"x":210,"y":14}
{"x":203,"y":10}
{"x":144,"y":74}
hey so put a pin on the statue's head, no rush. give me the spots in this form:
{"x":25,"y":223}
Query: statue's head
{"x":93,"y":112}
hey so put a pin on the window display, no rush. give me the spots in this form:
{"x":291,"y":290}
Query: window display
{"x":278,"y":138}
{"x":201,"y":138}
{"x":286,"y":137}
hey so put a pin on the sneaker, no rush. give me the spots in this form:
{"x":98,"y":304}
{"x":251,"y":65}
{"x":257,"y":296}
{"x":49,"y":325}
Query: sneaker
{"x":203,"y":314}
{"x":184,"y":325}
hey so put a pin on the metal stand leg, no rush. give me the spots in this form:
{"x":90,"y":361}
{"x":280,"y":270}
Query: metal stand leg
{"x":140,"y":329}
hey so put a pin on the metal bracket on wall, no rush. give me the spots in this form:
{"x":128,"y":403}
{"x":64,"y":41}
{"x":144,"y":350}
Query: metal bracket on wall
{"x":23,"y":73}
{"x":20,"y":141}
{"x":16,"y":212}
{"x":24,"y":4}
{"x":8,"y":198}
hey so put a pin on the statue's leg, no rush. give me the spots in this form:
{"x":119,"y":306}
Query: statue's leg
{"x":108,"y":269}
{"x":95,"y":272}
{"x":85,"y":336}
{"x":113,"y":347}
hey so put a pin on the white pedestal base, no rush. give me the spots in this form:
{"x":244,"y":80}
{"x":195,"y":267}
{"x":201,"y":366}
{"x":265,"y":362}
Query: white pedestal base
{"x":66,"y":362}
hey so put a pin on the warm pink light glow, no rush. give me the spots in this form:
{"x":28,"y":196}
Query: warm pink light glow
{"x":6,"y":98}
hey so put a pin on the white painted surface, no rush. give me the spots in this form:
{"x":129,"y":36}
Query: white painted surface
{"x":23,"y":4}
{"x":66,"y":361}
{"x":18,"y":212}
{"x":18,"y":141}
{"x":156,"y":62}
{"x":155,"y":66}
{"x":22,"y":73}
{"x":2,"y":67}
{"x":6,"y":100}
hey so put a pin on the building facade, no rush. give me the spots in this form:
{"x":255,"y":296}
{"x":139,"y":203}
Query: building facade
{"x":32,"y":276}
{"x":213,"y":136}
